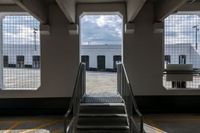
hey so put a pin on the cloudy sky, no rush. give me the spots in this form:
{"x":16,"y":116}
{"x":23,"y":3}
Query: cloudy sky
{"x":20,"y":30}
{"x":179,"y":29}
{"x":99,"y":29}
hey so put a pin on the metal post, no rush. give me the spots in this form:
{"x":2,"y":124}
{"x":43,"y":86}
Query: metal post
{"x":196,"y":35}
{"x":119,"y":78}
{"x":35,"y":32}
{"x":83,"y":79}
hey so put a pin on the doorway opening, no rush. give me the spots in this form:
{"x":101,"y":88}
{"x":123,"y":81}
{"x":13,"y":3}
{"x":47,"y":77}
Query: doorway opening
{"x":101,"y":41}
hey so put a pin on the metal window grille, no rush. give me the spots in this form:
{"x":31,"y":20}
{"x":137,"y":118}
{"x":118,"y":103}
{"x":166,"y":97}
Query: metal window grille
{"x":182,"y":45}
{"x":21,"y":51}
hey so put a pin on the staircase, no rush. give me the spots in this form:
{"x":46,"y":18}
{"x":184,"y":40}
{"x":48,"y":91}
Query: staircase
{"x":106,"y":117}
{"x":114,"y":114}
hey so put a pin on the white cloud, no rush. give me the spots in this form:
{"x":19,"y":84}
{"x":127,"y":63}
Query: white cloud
{"x":20,"y":30}
{"x":101,"y":21}
{"x":101,"y":29}
{"x":178,"y":28}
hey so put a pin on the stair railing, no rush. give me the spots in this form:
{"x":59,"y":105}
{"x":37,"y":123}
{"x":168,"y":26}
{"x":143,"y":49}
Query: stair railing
{"x":70,"y":121}
{"x":125,"y":90}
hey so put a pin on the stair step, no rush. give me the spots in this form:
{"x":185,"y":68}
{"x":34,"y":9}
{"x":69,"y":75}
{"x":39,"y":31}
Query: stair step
{"x":103,"y":115}
{"x":103,"y":131}
{"x":102,"y":127}
{"x":92,"y":130}
{"x":102,"y":121}
{"x":111,"y":99}
{"x":102,"y":108}
{"x":102,"y":104}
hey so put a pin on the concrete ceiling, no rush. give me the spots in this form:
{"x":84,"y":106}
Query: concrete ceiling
{"x":6,"y":2}
{"x":39,"y":8}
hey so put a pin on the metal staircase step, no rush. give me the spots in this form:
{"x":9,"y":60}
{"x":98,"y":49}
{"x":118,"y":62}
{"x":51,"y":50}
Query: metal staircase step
{"x":103,"y":115}
{"x":103,"y":131}
{"x":102,"y":104}
{"x":111,"y":99}
{"x":102,"y":108}
{"x":102,"y":121}
{"x":102,"y":127}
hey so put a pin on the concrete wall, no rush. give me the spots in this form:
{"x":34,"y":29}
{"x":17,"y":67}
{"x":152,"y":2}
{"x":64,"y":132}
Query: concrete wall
{"x":59,"y":61}
{"x":143,"y":57}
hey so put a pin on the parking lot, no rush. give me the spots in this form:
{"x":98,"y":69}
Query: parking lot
{"x":29,"y":79}
{"x":101,"y":83}
{"x":97,"y":83}
{"x":18,"y":78}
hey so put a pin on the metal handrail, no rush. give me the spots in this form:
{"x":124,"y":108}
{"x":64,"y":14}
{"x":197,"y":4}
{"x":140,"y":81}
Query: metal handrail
{"x":70,"y":125}
{"x":124,"y":86}
{"x":78,"y":92}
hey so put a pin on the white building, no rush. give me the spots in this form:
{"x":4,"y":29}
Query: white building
{"x":21,"y":55}
{"x":184,"y":53}
{"x":103,"y":57}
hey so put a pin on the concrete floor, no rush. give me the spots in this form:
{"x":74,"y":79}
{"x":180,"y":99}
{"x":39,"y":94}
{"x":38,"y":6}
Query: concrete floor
{"x":21,"y":79}
{"x":30,"y":124}
{"x":176,"y":123}
{"x":101,"y":83}
{"x":97,"y":82}
{"x":154,"y":123}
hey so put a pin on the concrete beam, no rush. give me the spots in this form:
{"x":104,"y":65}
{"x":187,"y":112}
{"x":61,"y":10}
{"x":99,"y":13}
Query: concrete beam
{"x":68,"y":8}
{"x":158,"y":27}
{"x":73,"y":29}
{"x":10,"y":8}
{"x":44,"y":29}
{"x":164,"y":8}
{"x":36,"y":8}
{"x":133,"y":8}
{"x":129,"y":28}
{"x":191,"y":7}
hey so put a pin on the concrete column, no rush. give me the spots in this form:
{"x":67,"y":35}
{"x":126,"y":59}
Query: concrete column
{"x":1,"y":52}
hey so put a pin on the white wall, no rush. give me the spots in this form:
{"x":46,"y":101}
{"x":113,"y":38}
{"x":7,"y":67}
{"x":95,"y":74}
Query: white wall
{"x":28,"y":51}
{"x":94,"y":50}
{"x":192,"y":55}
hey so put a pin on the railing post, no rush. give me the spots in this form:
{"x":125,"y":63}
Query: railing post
{"x":84,"y":79}
{"x":119,"y":78}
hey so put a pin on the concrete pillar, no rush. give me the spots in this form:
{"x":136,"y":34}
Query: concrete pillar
{"x":1,"y":52}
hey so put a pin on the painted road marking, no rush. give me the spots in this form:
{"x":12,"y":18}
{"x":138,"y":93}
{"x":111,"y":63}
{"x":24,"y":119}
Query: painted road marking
{"x":59,"y":130}
{"x":152,"y":129}
{"x":41,"y":126}
{"x":16,"y":123}
{"x":154,"y":126}
{"x":9,"y":121}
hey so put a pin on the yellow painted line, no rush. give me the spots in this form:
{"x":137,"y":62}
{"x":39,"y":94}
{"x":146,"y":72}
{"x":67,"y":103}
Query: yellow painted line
{"x":154,"y":126}
{"x":178,"y":120}
{"x":157,"y":130}
{"x":60,"y":130}
{"x":16,"y":123}
{"x":41,"y":126}
{"x":9,"y":121}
